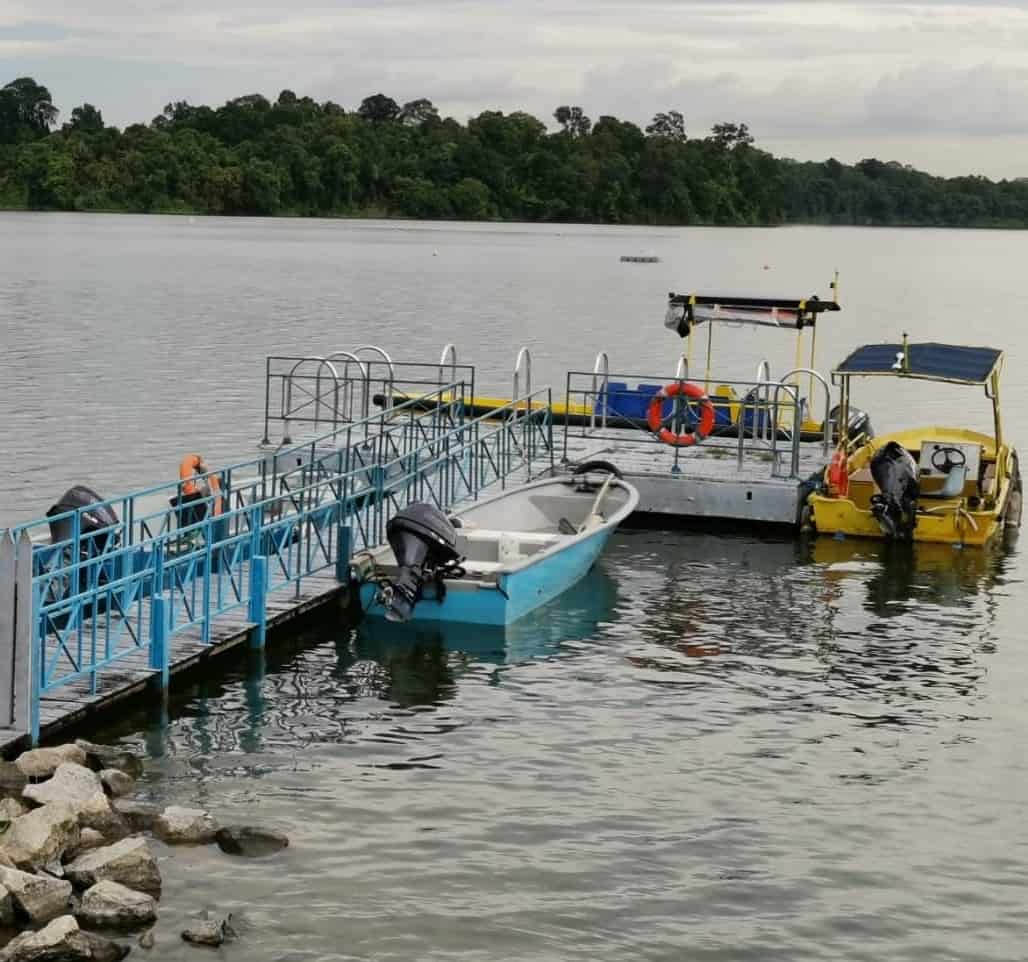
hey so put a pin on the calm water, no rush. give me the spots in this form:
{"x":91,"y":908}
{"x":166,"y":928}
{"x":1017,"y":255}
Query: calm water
{"x":714,"y":748}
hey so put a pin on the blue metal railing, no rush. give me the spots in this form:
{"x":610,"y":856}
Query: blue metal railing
{"x":154,"y":512}
{"x":101,"y":604}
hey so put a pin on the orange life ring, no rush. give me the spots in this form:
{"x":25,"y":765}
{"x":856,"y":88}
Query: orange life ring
{"x":838,"y":474}
{"x":655,"y":414}
{"x":187,"y":470}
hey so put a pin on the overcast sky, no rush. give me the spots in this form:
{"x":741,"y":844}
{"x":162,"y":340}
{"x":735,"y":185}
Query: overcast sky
{"x":941,"y":85}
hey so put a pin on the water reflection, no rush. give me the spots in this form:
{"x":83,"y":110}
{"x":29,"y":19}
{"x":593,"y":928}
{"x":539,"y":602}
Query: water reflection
{"x":340,"y":683}
{"x":868,"y":630}
{"x":899,"y":575}
{"x":418,"y":664}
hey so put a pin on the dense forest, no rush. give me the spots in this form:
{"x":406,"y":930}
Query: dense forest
{"x":298,"y":156}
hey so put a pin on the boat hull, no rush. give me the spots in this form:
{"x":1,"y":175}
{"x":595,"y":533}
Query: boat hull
{"x":972,"y":518}
{"x":508,"y":598}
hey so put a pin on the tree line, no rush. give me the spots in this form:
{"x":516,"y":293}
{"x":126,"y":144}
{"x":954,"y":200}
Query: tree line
{"x":297,"y":156}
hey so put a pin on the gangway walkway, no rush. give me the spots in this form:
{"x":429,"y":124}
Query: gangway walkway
{"x":96,"y":615}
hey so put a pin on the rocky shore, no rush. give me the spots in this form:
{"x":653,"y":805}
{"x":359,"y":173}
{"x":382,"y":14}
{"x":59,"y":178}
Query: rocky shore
{"x":75,"y":855}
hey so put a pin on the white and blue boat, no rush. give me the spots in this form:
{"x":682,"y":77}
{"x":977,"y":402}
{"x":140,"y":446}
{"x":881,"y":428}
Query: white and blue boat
{"x":497,"y":560}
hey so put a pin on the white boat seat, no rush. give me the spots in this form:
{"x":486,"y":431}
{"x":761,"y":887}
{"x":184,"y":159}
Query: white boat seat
{"x":482,"y":567}
{"x":525,"y":537}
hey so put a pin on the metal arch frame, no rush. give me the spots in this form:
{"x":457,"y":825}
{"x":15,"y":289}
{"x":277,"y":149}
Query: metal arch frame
{"x":604,"y":391}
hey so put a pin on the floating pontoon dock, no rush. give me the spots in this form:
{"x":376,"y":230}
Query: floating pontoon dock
{"x":90,"y":614}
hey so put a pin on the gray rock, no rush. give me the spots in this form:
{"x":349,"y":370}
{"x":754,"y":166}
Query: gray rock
{"x":38,"y":897}
{"x":249,"y":840}
{"x":11,"y":808}
{"x":12,"y":778}
{"x":62,"y":941}
{"x":209,"y":932}
{"x":71,"y":782}
{"x":147,"y":940}
{"x":40,"y":763}
{"x":101,"y":949}
{"x":99,"y":757}
{"x":139,"y":816}
{"x":116,"y":783}
{"x":6,"y":907}
{"x":111,"y":905}
{"x":41,"y":836}
{"x":185,"y":826}
{"x":80,"y":788}
{"x":129,"y":862}
{"x":55,"y":943}
{"x":89,"y":838}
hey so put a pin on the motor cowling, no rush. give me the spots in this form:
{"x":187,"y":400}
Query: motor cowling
{"x":91,"y":521}
{"x":423,"y":539}
{"x":859,"y":429}
{"x":894,"y":506}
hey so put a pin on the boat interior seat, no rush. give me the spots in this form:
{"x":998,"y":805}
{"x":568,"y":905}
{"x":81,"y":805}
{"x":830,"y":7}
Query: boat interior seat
{"x":489,"y":534}
{"x":861,"y":487}
{"x":491,"y":547}
{"x":988,"y":483}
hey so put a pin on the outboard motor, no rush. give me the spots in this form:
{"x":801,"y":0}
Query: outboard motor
{"x":859,"y":429}
{"x":895,"y":473}
{"x":90,"y":522}
{"x":423,"y":540}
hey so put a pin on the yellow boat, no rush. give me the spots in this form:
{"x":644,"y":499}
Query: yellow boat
{"x":935,"y":484}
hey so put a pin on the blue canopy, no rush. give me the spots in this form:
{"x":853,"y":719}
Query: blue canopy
{"x":937,"y":362}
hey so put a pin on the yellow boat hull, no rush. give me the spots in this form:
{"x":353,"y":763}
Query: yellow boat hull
{"x":973,"y":518}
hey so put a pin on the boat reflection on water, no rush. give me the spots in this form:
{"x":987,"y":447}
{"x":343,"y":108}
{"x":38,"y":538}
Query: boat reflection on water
{"x":899,"y":574}
{"x":419,"y":663}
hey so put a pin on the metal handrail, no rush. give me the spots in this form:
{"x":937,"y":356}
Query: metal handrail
{"x":825,"y":427}
{"x":605,"y":391}
{"x":287,"y":394}
{"x":524,"y":360}
{"x":764,"y":382}
{"x":794,"y":391}
{"x":389,"y":362}
{"x":451,"y":350}
{"x":348,"y":384}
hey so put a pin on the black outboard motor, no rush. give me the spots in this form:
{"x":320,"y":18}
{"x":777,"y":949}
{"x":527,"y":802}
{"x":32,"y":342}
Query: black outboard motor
{"x":98,"y":532}
{"x":423,"y":540}
{"x":895,"y":473}
{"x":859,"y":429}
{"x":90,"y":522}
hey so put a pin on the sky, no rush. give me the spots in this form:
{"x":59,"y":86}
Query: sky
{"x":942,"y":86}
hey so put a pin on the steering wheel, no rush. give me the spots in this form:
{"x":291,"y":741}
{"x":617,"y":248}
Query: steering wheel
{"x":945,"y":459}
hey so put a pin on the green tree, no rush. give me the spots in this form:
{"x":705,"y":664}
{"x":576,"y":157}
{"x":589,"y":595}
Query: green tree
{"x":85,"y":118}
{"x":26,"y":111}
{"x":670,"y":125}
{"x":378,"y":108}
{"x":572,"y":120}
{"x":417,"y":113}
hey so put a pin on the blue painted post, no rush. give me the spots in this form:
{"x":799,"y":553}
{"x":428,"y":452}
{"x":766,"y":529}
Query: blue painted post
{"x":160,"y":619}
{"x":258,"y":595}
{"x":37,"y":670}
{"x":159,"y":661}
{"x":344,"y":549}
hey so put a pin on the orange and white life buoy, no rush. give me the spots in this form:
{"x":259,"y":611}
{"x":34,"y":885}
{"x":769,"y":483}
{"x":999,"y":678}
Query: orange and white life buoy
{"x":206,"y":485}
{"x":655,"y":414}
{"x":839,"y":474}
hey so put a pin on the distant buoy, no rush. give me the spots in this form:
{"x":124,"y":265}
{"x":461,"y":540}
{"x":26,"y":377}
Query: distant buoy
{"x":629,"y":259}
{"x":435,"y":253}
{"x":767,"y":267}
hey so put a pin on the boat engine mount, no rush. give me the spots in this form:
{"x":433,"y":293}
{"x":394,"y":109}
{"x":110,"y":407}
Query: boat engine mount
{"x":895,"y":472}
{"x":424,"y":542}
